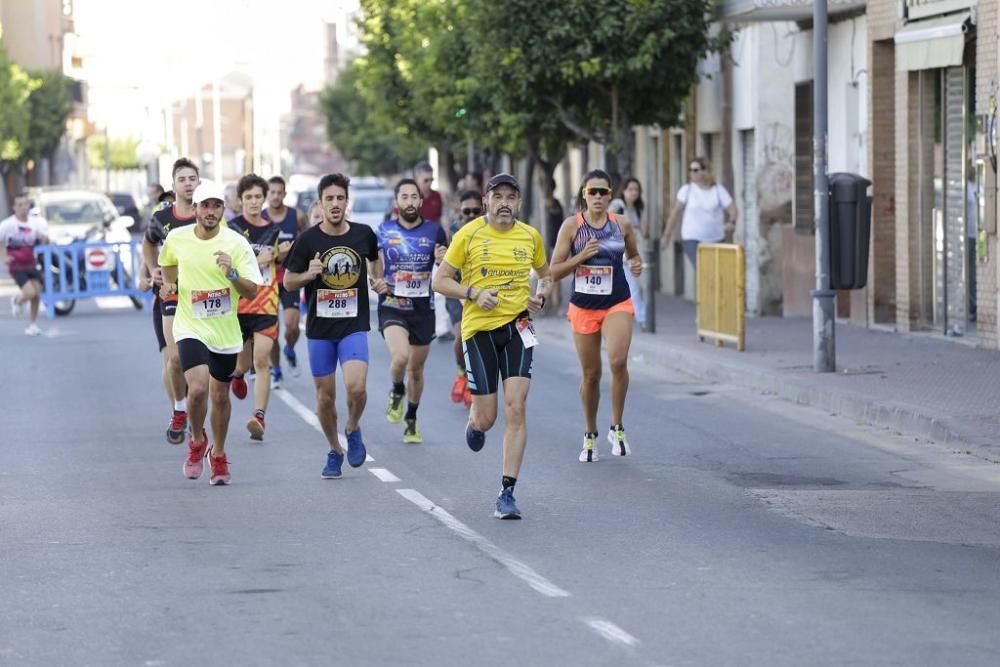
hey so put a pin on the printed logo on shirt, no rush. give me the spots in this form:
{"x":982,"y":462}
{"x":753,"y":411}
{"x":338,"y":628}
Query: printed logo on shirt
{"x":343,"y":267}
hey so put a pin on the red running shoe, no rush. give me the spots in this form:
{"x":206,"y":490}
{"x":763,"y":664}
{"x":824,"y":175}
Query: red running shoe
{"x":458,"y":389}
{"x":256,"y":427}
{"x":220,"y":470}
{"x":239,"y":386}
{"x":195,"y":462}
{"x":177,"y":427}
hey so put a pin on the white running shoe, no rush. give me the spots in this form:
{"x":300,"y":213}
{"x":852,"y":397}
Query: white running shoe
{"x":16,"y":308}
{"x":589,"y":452}
{"x":33,"y":330}
{"x":619,"y":443}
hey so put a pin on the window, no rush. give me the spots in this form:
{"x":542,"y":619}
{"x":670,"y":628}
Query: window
{"x":803,"y":212}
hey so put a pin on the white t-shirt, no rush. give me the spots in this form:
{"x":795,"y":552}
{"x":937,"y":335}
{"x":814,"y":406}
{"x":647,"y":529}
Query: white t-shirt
{"x":20,"y":238}
{"x":704,"y":212}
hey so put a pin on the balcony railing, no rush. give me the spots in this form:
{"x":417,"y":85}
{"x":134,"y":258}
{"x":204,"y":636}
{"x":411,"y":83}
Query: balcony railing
{"x":783,"y":10}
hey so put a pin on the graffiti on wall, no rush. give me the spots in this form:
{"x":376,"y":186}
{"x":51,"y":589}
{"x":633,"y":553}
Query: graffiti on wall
{"x":776,"y":178}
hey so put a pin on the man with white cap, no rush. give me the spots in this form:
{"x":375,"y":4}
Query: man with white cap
{"x":214,"y":262}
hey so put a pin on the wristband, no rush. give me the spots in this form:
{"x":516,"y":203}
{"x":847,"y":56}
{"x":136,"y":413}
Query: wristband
{"x":233,"y":275}
{"x":468,"y":293}
{"x":543,"y":299}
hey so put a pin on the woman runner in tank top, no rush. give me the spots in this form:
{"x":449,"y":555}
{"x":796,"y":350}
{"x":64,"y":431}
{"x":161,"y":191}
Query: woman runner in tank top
{"x":594,"y":247}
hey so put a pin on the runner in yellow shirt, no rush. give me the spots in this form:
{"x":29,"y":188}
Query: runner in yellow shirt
{"x":495,"y":255}
{"x":216,"y":266}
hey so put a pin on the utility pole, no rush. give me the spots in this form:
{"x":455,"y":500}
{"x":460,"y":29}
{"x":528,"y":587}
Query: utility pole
{"x":824,"y":341}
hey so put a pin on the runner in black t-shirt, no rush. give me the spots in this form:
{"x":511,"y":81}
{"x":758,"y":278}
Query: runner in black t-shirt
{"x":179,"y":214}
{"x":333,"y":261}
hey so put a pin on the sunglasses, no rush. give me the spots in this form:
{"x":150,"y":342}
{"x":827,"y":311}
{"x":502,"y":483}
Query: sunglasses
{"x":471,"y":211}
{"x":694,"y":170}
{"x":597,"y":192}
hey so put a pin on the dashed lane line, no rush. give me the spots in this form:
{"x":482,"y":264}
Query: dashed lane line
{"x":514,"y":566}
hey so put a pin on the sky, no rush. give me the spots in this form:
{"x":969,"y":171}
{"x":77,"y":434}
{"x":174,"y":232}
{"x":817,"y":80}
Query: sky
{"x":138,"y":54}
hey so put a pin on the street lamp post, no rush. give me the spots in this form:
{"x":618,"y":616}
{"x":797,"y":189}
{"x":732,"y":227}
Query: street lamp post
{"x":824,"y":342}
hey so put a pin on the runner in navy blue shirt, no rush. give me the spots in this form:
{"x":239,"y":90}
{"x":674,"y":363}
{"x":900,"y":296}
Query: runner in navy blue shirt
{"x":291,"y":222}
{"x":410,"y":247}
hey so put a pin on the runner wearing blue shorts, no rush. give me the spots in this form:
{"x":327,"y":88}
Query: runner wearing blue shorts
{"x":333,"y":262}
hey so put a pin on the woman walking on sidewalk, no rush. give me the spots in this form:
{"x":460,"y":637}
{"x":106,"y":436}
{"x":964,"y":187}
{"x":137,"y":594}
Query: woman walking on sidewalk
{"x":630,"y":205}
{"x":593,"y":245}
{"x":709,"y":214}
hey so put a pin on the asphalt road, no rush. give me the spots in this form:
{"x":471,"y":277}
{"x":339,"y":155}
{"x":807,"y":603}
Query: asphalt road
{"x":742,"y":531}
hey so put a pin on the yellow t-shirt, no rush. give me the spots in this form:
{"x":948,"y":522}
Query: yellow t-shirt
{"x":491,"y":259}
{"x":207,"y":300}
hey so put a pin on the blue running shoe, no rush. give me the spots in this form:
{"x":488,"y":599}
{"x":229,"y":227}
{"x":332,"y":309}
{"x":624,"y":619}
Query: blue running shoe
{"x":276,"y":377}
{"x":334,"y":461}
{"x":475,"y":439}
{"x":506,"y":509}
{"x":290,"y":356}
{"x":356,"y":452}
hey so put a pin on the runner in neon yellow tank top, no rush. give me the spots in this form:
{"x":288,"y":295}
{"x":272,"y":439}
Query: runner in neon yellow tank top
{"x":214,"y":266}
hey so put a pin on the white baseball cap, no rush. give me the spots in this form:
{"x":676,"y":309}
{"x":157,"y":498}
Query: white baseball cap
{"x":207,"y":190}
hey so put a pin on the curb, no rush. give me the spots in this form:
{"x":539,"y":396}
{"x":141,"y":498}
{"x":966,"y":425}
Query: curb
{"x":901,"y":417}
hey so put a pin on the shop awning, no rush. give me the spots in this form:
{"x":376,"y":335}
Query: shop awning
{"x":932,"y":43}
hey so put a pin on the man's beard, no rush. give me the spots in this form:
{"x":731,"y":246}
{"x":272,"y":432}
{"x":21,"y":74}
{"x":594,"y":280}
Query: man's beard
{"x":410,"y":217}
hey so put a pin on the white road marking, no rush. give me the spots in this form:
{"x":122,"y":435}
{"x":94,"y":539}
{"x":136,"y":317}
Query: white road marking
{"x":611,"y":632}
{"x":308,"y":415}
{"x":113,"y":302}
{"x":514,"y":566}
{"x":383,"y":474}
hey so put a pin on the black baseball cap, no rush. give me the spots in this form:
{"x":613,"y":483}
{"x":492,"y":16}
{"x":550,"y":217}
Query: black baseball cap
{"x":502,"y":179}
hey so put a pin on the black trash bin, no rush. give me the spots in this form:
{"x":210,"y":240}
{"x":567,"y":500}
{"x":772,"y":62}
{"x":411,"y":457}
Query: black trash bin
{"x":850,"y":230}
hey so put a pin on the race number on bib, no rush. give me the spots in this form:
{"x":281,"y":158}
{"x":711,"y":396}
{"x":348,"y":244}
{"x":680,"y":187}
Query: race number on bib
{"x":527,"y":332}
{"x":412,"y":283}
{"x":337,"y":302}
{"x":210,"y":303}
{"x":593,"y":280}
{"x":265,"y":272}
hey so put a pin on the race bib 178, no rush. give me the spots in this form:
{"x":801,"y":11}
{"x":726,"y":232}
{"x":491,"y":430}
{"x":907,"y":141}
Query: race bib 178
{"x":210,"y":303}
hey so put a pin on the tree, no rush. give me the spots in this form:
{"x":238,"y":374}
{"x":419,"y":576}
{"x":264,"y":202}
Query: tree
{"x":122,"y":153}
{"x":15,"y":88}
{"x":353,"y":126}
{"x":49,"y":105}
{"x":633,"y":65}
{"x":417,"y":73}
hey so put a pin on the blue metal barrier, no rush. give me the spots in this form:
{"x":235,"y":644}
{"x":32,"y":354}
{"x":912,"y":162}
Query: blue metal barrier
{"x":84,"y":270}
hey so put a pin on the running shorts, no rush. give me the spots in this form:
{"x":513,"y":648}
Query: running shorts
{"x":420,"y":325}
{"x":498,"y":354}
{"x":324,"y":353}
{"x":194,"y":353}
{"x":251,"y":323}
{"x":587,"y":321}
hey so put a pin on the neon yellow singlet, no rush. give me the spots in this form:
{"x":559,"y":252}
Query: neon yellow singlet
{"x":207,"y":300}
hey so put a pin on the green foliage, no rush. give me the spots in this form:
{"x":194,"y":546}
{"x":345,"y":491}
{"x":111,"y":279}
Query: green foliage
{"x":372,"y":141}
{"x":49,"y":105}
{"x":599,"y":69}
{"x":522,"y":77}
{"x":122,"y":153}
{"x":15,"y":88}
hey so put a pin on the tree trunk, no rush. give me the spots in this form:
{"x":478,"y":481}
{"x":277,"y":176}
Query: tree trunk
{"x":624,"y":148}
{"x":529,"y":189}
{"x":726,"y":168}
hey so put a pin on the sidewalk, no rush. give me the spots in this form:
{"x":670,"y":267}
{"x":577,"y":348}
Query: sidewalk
{"x":915,"y":384}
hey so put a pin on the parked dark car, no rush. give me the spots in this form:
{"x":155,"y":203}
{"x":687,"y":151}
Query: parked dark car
{"x":127,"y":205}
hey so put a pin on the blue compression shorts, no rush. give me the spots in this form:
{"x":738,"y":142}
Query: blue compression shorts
{"x":324,"y":354}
